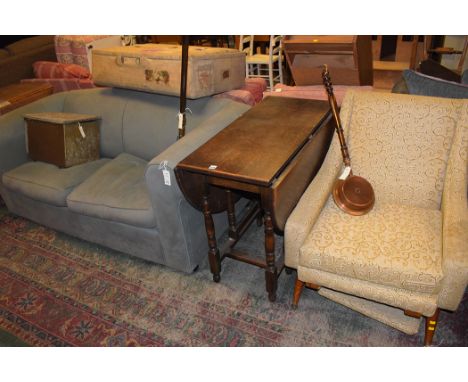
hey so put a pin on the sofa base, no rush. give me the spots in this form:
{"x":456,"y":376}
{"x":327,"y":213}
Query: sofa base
{"x":140,"y":242}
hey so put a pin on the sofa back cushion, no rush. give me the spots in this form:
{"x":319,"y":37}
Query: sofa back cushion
{"x":110,"y":106}
{"x":401,"y":144}
{"x":150,"y":121}
{"x":139,"y":123}
{"x":149,"y":124}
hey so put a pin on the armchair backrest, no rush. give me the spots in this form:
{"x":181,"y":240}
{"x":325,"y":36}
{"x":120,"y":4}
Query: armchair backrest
{"x":401,"y":143}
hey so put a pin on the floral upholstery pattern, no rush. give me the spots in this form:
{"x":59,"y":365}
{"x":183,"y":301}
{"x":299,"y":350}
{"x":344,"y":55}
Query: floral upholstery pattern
{"x":423,"y":303}
{"x":308,"y":209}
{"x":392,"y":245}
{"x":455,"y":219}
{"x":71,"y":49}
{"x":402,"y":146}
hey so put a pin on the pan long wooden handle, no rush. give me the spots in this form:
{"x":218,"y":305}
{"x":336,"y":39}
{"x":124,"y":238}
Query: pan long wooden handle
{"x":339,"y":129}
{"x":183,"y":86}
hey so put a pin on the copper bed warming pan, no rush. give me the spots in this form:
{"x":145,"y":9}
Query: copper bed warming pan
{"x":353,"y":194}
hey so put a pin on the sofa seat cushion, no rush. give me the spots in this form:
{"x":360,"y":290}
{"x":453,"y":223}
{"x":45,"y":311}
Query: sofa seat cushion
{"x":393,"y":245}
{"x":48,"y":183}
{"x":116,"y":192}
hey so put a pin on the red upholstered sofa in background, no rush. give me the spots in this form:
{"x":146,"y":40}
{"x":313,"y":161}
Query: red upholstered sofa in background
{"x":73,"y":70}
{"x":312,"y":91}
{"x":62,"y":77}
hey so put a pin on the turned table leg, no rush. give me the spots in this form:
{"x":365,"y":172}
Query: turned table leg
{"x":271,"y":272}
{"x":231,"y":215}
{"x":213,"y":252}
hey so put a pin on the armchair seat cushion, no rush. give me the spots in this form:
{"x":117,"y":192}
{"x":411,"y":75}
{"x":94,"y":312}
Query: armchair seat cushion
{"x":394,"y":245}
{"x":116,"y":192}
{"x":48,"y":183}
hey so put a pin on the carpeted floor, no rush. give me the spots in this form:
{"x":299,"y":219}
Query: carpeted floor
{"x":56,"y":290}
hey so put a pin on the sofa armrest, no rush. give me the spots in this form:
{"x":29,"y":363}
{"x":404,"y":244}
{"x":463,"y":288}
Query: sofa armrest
{"x":179,"y":240}
{"x":12,"y":131}
{"x":455,"y":220}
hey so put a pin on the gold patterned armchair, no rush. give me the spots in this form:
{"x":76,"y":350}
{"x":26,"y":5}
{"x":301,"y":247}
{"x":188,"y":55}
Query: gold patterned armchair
{"x":408,"y":257}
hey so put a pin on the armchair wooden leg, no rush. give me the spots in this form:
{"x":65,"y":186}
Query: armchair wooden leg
{"x":431,"y":324}
{"x":410,"y":313}
{"x":297,"y":292}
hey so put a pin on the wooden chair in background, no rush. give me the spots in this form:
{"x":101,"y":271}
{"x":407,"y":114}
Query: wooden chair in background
{"x":246,"y":46}
{"x":447,"y":51}
{"x":409,"y":51}
{"x":267,"y":65}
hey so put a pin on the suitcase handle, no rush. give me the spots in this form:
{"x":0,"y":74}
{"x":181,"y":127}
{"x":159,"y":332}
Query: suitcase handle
{"x":127,"y":61}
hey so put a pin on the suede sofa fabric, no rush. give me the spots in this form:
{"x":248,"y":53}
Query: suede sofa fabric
{"x":47,"y":182}
{"x":126,"y":204}
{"x":117,"y":192}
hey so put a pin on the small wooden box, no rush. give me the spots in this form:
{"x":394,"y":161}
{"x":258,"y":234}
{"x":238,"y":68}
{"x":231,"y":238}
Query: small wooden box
{"x":349,"y":59}
{"x":63,"y":139}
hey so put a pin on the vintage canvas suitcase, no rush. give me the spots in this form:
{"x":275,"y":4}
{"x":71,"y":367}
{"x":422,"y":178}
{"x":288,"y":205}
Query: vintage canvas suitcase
{"x":349,"y":59}
{"x":63,"y":139}
{"x":156,"y":68}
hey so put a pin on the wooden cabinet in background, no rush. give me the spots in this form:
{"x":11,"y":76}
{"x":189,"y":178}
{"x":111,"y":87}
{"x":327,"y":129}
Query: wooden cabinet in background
{"x":349,"y":59}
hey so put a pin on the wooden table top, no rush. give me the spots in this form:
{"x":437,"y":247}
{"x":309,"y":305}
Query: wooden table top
{"x":259,"y":144}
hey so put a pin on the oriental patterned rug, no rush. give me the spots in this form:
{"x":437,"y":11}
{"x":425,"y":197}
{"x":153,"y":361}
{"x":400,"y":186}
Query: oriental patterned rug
{"x":56,"y":290}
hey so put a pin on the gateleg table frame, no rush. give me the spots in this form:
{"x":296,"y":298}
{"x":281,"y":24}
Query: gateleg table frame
{"x":269,"y":154}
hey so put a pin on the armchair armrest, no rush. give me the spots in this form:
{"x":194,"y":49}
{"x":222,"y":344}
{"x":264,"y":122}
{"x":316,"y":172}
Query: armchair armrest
{"x":12,"y":131}
{"x":172,"y":212}
{"x":455,"y":220}
{"x":307,"y":211}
